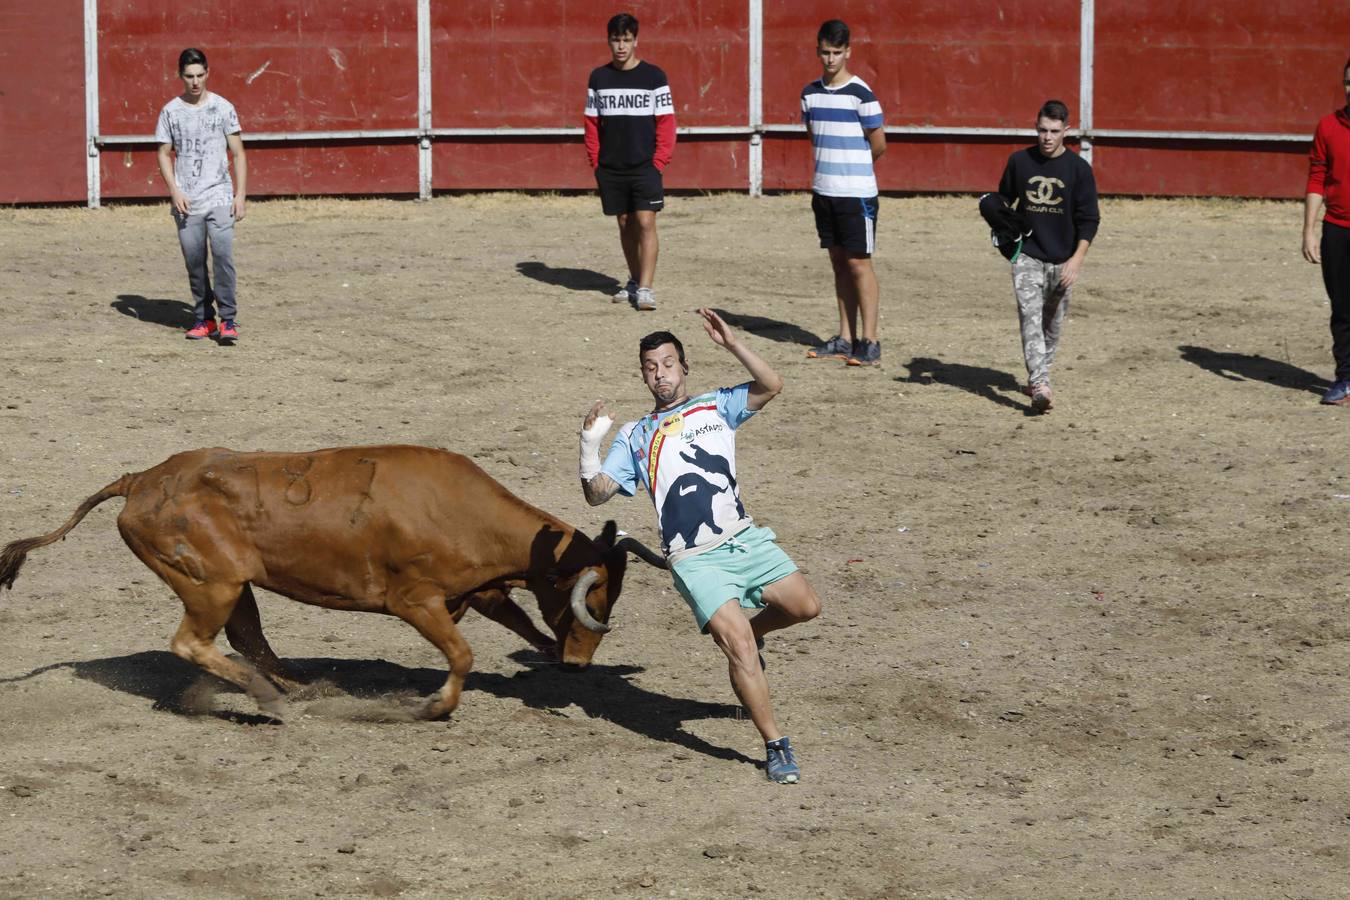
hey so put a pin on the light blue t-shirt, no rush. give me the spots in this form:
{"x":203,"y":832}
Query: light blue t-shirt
{"x":685,"y":458}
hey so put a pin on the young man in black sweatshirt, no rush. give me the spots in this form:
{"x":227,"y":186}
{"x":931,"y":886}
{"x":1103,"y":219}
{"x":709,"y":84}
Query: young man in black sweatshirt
{"x":1057,"y":195}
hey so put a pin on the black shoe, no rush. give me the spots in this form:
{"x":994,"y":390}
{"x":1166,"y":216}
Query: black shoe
{"x":865,"y":353}
{"x":835,"y":348}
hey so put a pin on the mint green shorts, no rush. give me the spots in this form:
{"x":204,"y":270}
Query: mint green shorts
{"x":740,"y":569}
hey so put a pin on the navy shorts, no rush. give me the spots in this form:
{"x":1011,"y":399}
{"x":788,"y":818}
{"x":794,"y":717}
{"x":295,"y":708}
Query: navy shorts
{"x":625,"y":192}
{"x":848,"y":222}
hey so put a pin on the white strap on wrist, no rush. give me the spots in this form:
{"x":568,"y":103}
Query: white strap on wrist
{"x":591,"y":439}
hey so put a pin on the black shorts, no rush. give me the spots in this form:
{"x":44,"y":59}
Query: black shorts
{"x":848,"y":222}
{"x":625,"y":192}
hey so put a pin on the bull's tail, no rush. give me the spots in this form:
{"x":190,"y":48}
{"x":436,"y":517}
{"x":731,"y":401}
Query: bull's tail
{"x":15,"y":552}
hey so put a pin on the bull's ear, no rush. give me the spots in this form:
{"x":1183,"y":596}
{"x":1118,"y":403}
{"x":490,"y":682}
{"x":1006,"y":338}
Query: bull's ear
{"x":609,"y":534}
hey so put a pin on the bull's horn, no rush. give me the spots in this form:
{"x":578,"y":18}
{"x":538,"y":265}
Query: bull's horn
{"x":646,"y":554}
{"x":579,"y":590}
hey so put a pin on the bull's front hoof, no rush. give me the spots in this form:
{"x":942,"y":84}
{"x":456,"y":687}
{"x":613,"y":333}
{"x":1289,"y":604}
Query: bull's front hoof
{"x":275,"y":709}
{"x":268,"y":698}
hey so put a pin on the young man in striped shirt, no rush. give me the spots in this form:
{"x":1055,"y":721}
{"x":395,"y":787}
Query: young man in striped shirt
{"x":630,"y":137}
{"x":843,"y":117}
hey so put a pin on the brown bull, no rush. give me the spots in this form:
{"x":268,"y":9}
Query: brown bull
{"x":414,"y":532}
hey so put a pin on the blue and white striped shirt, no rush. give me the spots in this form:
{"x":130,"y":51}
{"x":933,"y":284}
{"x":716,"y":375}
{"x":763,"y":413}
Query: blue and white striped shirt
{"x":836,"y":119}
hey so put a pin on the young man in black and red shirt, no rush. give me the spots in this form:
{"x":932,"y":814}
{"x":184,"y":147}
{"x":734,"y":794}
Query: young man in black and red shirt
{"x":630,"y":137}
{"x":1329,"y":186}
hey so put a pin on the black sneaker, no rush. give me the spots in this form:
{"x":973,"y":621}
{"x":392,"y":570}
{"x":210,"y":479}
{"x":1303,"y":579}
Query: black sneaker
{"x":835,"y":348}
{"x":865,"y":353}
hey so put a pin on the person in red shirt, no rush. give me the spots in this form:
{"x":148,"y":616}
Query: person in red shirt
{"x":1329,"y":186}
{"x":630,"y":137}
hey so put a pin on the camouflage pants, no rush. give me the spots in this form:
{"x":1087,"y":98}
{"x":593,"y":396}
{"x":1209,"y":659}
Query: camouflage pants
{"x":1041,"y":304}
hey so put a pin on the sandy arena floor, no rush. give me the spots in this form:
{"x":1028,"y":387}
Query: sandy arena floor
{"x":1099,"y":652}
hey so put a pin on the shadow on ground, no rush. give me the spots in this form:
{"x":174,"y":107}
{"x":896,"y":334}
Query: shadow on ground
{"x":602,"y":692}
{"x":572,"y":279}
{"x":1251,"y":367}
{"x":978,"y":380}
{"x":773,"y":329}
{"x":169,"y":313}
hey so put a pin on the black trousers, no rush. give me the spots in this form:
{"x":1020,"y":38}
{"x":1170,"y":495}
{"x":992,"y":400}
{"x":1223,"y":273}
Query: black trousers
{"x":1336,"y":276}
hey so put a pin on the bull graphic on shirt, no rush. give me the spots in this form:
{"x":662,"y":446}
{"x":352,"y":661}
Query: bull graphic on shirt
{"x":689,"y":499}
{"x":717,"y":465}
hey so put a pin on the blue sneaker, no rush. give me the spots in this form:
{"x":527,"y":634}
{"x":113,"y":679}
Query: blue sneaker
{"x":1337,"y":394}
{"x":781,"y":766}
{"x":835,"y":348}
{"x":865,"y":353}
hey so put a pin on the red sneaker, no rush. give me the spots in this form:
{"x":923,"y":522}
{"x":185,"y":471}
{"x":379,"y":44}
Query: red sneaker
{"x":228,"y":332}
{"x":202,"y":329}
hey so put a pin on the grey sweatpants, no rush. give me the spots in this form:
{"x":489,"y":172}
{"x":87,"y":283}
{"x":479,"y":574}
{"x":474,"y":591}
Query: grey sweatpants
{"x":195,"y":230}
{"x":1041,"y":304}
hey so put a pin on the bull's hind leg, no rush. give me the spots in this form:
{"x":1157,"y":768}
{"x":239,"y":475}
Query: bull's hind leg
{"x":500,"y":608}
{"x":426,"y":611}
{"x":207,"y":606}
{"x":208,"y":602}
{"x":244,"y":631}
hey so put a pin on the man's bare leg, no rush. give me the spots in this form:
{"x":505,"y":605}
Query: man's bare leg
{"x":864,"y":279}
{"x":790,"y":600}
{"x":845,"y":292}
{"x":731,"y":631}
{"x":644,"y":228}
{"x":628,"y":239}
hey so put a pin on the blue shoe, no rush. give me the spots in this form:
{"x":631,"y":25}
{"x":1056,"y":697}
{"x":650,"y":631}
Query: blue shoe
{"x":781,"y":766}
{"x":835,"y":348}
{"x":865,"y":353}
{"x":1337,"y":394}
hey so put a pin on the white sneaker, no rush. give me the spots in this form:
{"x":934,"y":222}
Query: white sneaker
{"x":627,"y":293}
{"x":645,"y":300}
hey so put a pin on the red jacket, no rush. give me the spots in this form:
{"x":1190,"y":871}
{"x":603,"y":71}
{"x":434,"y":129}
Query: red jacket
{"x":1329,"y":166}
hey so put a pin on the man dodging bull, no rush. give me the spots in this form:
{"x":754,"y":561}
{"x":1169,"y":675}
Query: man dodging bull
{"x":413,"y":532}
{"x":683,"y":454}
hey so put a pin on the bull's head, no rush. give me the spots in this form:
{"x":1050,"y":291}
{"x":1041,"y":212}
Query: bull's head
{"x":595,"y":577}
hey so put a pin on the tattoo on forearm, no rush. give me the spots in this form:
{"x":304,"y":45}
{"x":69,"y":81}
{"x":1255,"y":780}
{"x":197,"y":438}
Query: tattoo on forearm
{"x":599,"y":489}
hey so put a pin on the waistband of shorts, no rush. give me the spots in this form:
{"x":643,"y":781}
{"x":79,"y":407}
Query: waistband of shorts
{"x":680,"y":556}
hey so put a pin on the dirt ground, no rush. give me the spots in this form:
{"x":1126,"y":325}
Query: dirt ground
{"x":1100,"y":652}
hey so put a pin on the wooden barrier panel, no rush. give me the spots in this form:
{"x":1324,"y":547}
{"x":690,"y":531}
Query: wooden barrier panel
{"x":42,"y":110}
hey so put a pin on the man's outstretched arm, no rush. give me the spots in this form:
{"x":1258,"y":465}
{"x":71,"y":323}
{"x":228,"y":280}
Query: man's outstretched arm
{"x":766,"y":383}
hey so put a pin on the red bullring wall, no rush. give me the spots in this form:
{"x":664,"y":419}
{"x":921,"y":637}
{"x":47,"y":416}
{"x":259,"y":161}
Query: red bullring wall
{"x":301,"y":67}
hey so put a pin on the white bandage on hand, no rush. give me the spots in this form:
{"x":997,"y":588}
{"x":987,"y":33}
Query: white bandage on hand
{"x":591,"y":439}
